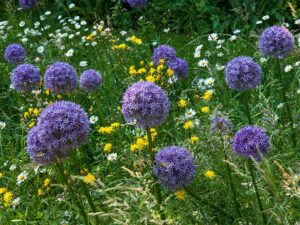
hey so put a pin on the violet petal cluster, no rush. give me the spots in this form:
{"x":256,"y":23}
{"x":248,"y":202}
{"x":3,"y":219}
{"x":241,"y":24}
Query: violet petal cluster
{"x":221,"y":125}
{"x":180,"y":68}
{"x":251,"y":142}
{"x":25,"y":77}
{"x":146,"y":104}
{"x":61,"y":78}
{"x":137,"y":3}
{"x":27,"y":4}
{"x":242,"y":73}
{"x":90,"y":80}
{"x":15,"y":53}
{"x":276,"y":42}
{"x":164,"y":52}
{"x":174,"y":167}
{"x":61,"y":127}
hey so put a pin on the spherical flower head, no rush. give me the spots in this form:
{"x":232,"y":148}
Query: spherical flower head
{"x":137,"y":3}
{"x":146,"y":104}
{"x":180,"y":68}
{"x":25,"y":77}
{"x":221,"y":125}
{"x":15,"y":53}
{"x":276,"y":42}
{"x":61,"y":127}
{"x":174,"y":167}
{"x":27,"y":4}
{"x":164,"y":52}
{"x":90,"y":80}
{"x":242,"y":73}
{"x":60,"y":78}
{"x":251,"y":142}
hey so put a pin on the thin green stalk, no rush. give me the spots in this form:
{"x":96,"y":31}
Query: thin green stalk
{"x":156,"y":185}
{"x":237,"y":208}
{"x":247,"y":98}
{"x":202,"y":201}
{"x":61,"y":176}
{"x":256,"y":192}
{"x":285,"y":100}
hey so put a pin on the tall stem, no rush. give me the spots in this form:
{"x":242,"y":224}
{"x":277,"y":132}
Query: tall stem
{"x":247,"y":107}
{"x":237,"y":208}
{"x":156,"y":185}
{"x":285,"y":100}
{"x":256,"y":192}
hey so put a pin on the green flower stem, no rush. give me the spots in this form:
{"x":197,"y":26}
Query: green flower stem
{"x":156,"y":185}
{"x":237,"y":208}
{"x":61,"y":176}
{"x":256,"y":191}
{"x":247,"y":98}
{"x":204,"y":202}
{"x":285,"y":100}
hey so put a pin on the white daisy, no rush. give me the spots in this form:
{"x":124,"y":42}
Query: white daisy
{"x":2,"y":125}
{"x":93,"y":119}
{"x":203,"y":63}
{"x":22,"y":177}
{"x":112,"y":157}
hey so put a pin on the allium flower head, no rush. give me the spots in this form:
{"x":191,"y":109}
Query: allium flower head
{"x":61,"y":127}
{"x":242,"y":73}
{"x":276,"y":42}
{"x":221,"y":125}
{"x":164,"y":52}
{"x":137,"y":3}
{"x":25,"y":77}
{"x":174,"y":167}
{"x":180,"y":68}
{"x":251,"y":142}
{"x":60,"y":78}
{"x":146,"y":104}
{"x":90,"y":80}
{"x":27,"y":4}
{"x":15,"y":53}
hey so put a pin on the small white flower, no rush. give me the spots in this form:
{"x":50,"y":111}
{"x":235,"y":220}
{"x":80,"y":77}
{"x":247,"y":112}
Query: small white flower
{"x":94,"y":43}
{"x":12,"y":167}
{"x":36,"y":92}
{"x":83,"y":23}
{"x":42,"y":18}
{"x":69,"y":53}
{"x":76,"y":18}
{"x":232,"y":38}
{"x":71,"y":36}
{"x":297,"y":22}
{"x":40,"y":49}
{"x":24,"y":40}
{"x":221,"y":41}
{"x":266,"y":17}
{"x":286,"y":24}
{"x":262,"y":60}
{"x":123,"y":32}
{"x":190,"y":113}
{"x":213,"y":37}
{"x":297,"y":63}
{"x":167,"y":30}
{"x":199,"y":48}
{"x":93,"y":119}
{"x":22,"y":177}
{"x":197,"y":54}
{"x":48,"y":13}
{"x":16,"y":202}
{"x":298,"y":91}
{"x":280,"y":105}
{"x":77,"y":26}
{"x":37,"y":60}
{"x":37,"y":25}
{"x":220,"y":54}
{"x":220,"y":67}
{"x":237,"y":31}
{"x":112,"y":157}
{"x":258,"y":22}
{"x":154,"y":43}
{"x":209,"y":81}
{"x":203,"y":63}
{"x":2,"y":125}
{"x":288,"y":68}
{"x":22,"y":24}
{"x":71,"y":6}
{"x":83,"y":64}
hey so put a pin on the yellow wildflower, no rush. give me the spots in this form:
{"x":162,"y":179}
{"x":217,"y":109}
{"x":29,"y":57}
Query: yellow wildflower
{"x":1,"y":174}
{"x":210,"y":174}
{"x":47,"y":92}
{"x":7,"y":197}
{"x":40,"y":192}
{"x":188,"y":125}
{"x":182,"y":103}
{"x":194,"y":139}
{"x":150,"y":78}
{"x":207,"y":95}
{"x":170,"y":72}
{"x":3,"y":190}
{"x":89,"y":179}
{"x":47,"y":182}
{"x":181,"y":194}
{"x":107,"y":147}
{"x":26,"y":114}
{"x":31,"y":124}
{"x":205,"y":109}
{"x":36,"y":112}
{"x":115,"y":125}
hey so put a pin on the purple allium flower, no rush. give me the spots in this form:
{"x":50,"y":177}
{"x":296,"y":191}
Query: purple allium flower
{"x":15,"y":53}
{"x":174,"y":167}
{"x":61,"y":127}
{"x":25,"y":77}
{"x":163,"y":52}
{"x":180,"y":68}
{"x":137,"y":3}
{"x":60,"y":78}
{"x":242,"y":73}
{"x":27,"y":4}
{"x":221,"y":125}
{"x":276,"y":42}
{"x":146,"y":104}
{"x":251,"y":142}
{"x":90,"y":80}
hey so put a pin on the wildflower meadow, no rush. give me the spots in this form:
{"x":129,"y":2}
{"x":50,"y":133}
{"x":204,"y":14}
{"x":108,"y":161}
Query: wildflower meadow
{"x":104,"y":121}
